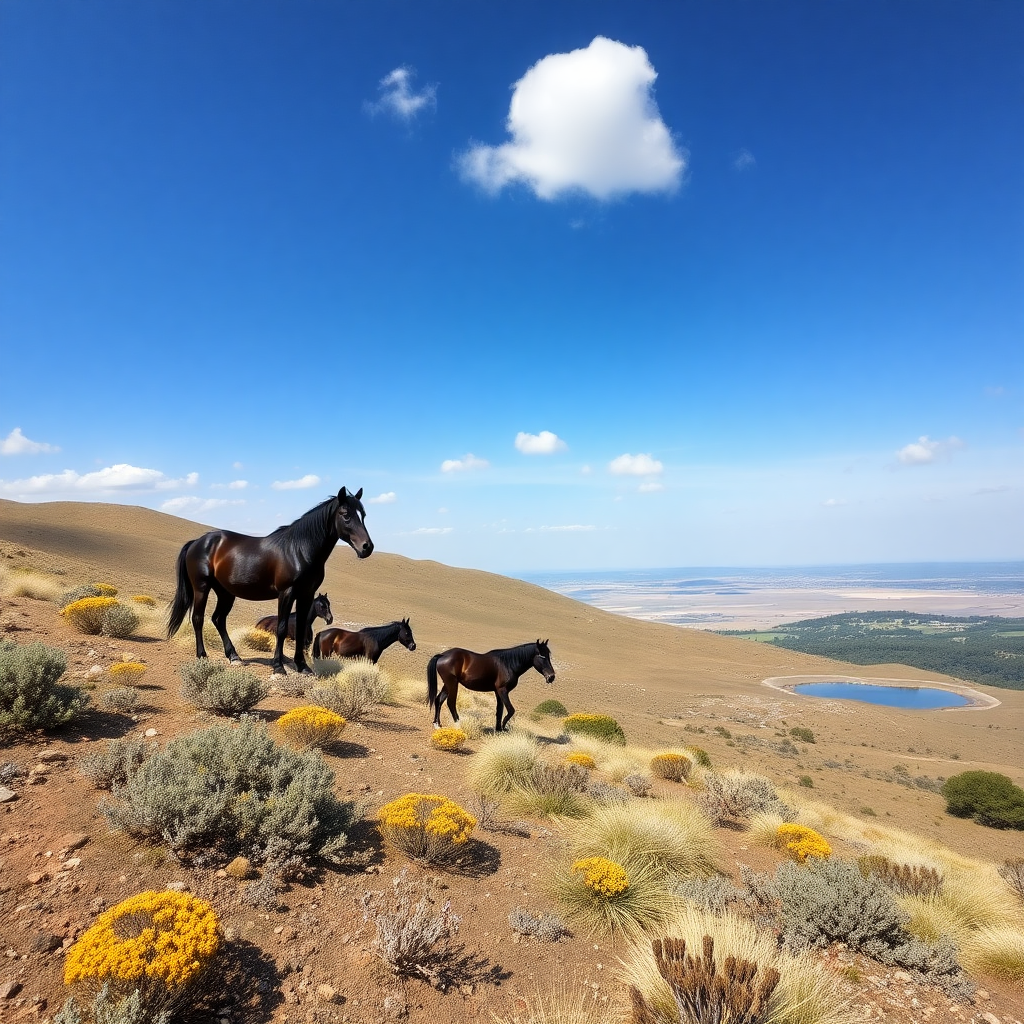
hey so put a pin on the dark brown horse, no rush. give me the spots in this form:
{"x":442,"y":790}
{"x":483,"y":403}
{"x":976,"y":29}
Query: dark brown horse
{"x":288,"y":565}
{"x":370,"y":642}
{"x":496,"y":670}
{"x":319,"y":609}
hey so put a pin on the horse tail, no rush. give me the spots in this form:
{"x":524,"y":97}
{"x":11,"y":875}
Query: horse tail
{"x":316,"y":645}
{"x":432,"y":679}
{"x":183,"y":595}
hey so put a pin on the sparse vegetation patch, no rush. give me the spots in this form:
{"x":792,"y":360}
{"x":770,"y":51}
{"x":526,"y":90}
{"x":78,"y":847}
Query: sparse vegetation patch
{"x":600,"y":727}
{"x":31,"y":696}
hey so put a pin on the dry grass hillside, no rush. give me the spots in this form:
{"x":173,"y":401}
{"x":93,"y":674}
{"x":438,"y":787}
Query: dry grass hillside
{"x":869,"y":777}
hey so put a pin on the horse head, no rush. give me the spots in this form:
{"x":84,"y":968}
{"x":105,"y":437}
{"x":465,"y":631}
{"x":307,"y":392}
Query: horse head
{"x":349,"y":523}
{"x":542,"y":662}
{"x":405,"y":636}
{"x":322,"y":608}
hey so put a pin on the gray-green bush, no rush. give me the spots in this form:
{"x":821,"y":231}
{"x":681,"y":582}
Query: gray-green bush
{"x":120,"y":622}
{"x":212,"y":686}
{"x":31,"y":696}
{"x":731,"y":799}
{"x":71,"y":596}
{"x":122,"y":699}
{"x":112,"y":766}
{"x":226,"y":790}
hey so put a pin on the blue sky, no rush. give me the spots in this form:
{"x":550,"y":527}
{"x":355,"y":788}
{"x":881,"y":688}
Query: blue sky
{"x":746,"y":277}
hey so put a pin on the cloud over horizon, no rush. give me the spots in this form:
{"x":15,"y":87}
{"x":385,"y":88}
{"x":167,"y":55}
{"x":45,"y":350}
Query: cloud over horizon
{"x":924,"y":450}
{"x":304,"y":482}
{"x":544,"y":443}
{"x":635,"y":465}
{"x":194,"y":505}
{"x":119,"y":478}
{"x":16,"y":443}
{"x":467,"y":463}
{"x":583,"y":121}
{"x":397,"y":97}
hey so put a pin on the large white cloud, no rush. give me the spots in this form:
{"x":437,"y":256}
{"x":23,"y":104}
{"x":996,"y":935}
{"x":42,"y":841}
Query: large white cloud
{"x":583,"y":121}
{"x":635,"y":465}
{"x":468,"y":462}
{"x":924,"y":450}
{"x":544,"y":443}
{"x":119,"y":478}
{"x":194,"y":505}
{"x":304,"y":482}
{"x":16,"y":443}
{"x":397,"y":97}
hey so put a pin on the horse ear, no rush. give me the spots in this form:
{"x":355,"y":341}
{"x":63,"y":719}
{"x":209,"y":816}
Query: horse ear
{"x":358,"y":494}
{"x":342,"y":494}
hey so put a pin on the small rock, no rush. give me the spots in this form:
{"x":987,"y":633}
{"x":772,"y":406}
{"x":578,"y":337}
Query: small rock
{"x":50,"y":755}
{"x":990,"y":1018}
{"x":178,"y":886}
{"x":72,"y":841}
{"x":39,"y":769}
{"x":287,"y":933}
{"x":9,"y":989}
{"x":74,"y":862}
{"x":240,"y":867}
{"x":221,"y":873}
{"x":982,"y":994}
{"x":328,"y":993}
{"x":7,"y":795}
{"x":35,"y":878}
{"x":466,"y":990}
{"x":95,"y":672}
{"x":150,"y":733}
{"x":902,"y":976}
{"x":45,"y":942}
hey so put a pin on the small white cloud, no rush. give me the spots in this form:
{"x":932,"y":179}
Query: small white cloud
{"x":236,"y":465}
{"x":309,"y":480}
{"x":586,"y":470}
{"x":387,"y":498}
{"x":431,"y":530}
{"x":635,"y":465}
{"x":744,"y":160}
{"x":120,"y":478}
{"x":650,"y":487}
{"x":544,"y":443}
{"x":583,"y":121}
{"x":924,"y":450}
{"x":999,"y":489}
{"x":834,"y":502}
{"x":465,"y":464}
{"x":238,"y":485}
{"x":16,"y":443}
{"x":572,"y":528}
{"x":443,"y":511}
{"x":194,"y":505}
{"x":397,"y":97}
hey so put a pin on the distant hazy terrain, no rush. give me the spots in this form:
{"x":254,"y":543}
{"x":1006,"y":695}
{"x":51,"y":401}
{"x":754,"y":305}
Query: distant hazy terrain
{"x":985,"y":649}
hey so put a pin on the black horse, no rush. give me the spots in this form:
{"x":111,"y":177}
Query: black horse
{"x":288,"y":565}
{"x":496,"y":670}
{"x":319,"y":609}
{"x":370,"y":642}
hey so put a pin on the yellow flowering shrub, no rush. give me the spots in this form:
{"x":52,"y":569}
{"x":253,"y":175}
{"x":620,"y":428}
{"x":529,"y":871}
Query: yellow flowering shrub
{"x":259,"y":640}
{"x":149,"y":602}
{"x":583,"y":760}
{"x":425,"y":826}
{"x":154,"y":941}
{"x":448,"y":738}
{"x":106,"y":589}
{"x":801,"y":842}
{"x":674,"y":767}
{"x":311,"y":726}
{"x":601,"y":876}
{"x":600,"y":727}
{"x":86,"y":615}
{"x":127,"y":673}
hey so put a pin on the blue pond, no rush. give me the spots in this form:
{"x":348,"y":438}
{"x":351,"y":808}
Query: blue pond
{"x":919,"y":697}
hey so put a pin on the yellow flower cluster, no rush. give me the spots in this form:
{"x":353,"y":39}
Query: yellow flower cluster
{"x":425,"y":825}
{"x":87,"y":614}
{"x":674,"y":767}
{"x":166,"y":937}
{"x":106,"y":589}
{"x":149,"y":602}
{"x":601,"y":876}
{"x":127,"y":672}
{"x":259,"y":640}
{"x":583,"y":760}
{"x":585,"y":718}
{"x":311,"y":725}
{"x":802,"y":842}
{"x":448,"y":738}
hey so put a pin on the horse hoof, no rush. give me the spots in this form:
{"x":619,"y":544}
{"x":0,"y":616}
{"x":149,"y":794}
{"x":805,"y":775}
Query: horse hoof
{"x":278,"y":673}
{"x":304,"y":671}
{"x":235,"y":661}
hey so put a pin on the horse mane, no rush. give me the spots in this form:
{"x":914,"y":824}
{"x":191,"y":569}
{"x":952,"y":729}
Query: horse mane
{"x":378,"y":633}
{"x":515,"y":659}
{"x":311,"y":526}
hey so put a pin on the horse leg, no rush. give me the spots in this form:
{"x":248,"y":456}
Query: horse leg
{"x":453,"y":692}
{"x":302,"y":606}
{"x":284,"y":607}
{"x":225,"y":602}
{"x":438,"y":701}
{"x":503,"y":698}
{"x":202,"y":592}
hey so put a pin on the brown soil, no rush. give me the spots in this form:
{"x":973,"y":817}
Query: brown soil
{"x":658,"y":681}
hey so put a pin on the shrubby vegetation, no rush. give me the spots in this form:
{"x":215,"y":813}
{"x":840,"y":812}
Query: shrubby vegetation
{"x":119,"y":622}
{"x":426,"y":826}
{"x":111,"y":766}
{"x":673,"y":767}
{"x":311,"y":726}
{"x":213,"y":686}
{"x":988,"y":797}
{"x":31,"y":696}
{"x":600,"y":727}
{"x":551,"y":707}
{"x":734,"y":798}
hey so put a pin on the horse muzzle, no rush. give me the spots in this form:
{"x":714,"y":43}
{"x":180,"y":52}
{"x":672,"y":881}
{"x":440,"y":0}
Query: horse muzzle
{"x":549,"y":679}
{"x":412,"y":647}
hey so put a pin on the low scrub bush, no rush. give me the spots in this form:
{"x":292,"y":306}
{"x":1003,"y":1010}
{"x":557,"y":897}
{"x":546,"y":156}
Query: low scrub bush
{"x":145,"y":600}
{"x":258,"y":640}
{"x":212,"y":686}
{"x":31,"y":696}
{"x":87,"y":614}
{"x":605,"y":793}
{"x":127,"y":673}
{"x":581,"y":759}
{"x":732,"y":799}
{"x":354,"y":692}
{"x":638,"y":784}
{"x":713,"y":895}
{"x":112,"y":766}
{"x":448,"y":738}
{"x":559,"y":789}
{"x":362,"y":675}
{"x":106,"y":589}
{"x":802,"y":733}
{"x":546,"y":927}
{"x":903,"y":879}
{"x":989,"y":798}
{"x":673,"y":767}
{"x":416,"y":937}
{"x":225,"y":790}
{"x":327,"y":667}
{"x":700,"y":756}
{"x":153,"y":948}
{"x":551,"y":707}
{"x":600,"y":727}
{"x":504,"y":763}
{"x":122,"y":700}
{"x":425,"y":826}
{"x":69,"y":597}
{"x":311,"y":726}
{"x":801,"y":842}
{"x":33,"y":585}
{"x":1012,"y":873}
{"x":263,"y":894}
{"x":119,"y":622}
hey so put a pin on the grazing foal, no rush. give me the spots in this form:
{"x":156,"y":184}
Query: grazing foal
{"x":370,"y":642}
{"x":320,"y":609}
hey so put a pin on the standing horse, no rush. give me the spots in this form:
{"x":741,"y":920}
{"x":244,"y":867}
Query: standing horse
{"x":288,"y":565}
{"x":370,"y":642}
{"x":496,"y":670}
{"x":319,"y":609}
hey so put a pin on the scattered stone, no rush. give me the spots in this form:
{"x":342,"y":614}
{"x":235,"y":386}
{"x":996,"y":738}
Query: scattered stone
{"x":72,"y":841}
{"x":990,"y":1018}
{"x":287,"y":933}
{"x":328,"y":993}
{"x":9,"y":989}
{"x":50,"y":755}
{"x":150,"y":733}
{"x":35,"y":877}
{"x":95,"y":672}
{"x":982,"y":994}
{"x":178,"y":886}
{"x":46,"y":942}
{"x":7,"y":795}
{"x":240,"y":867}
{"x":73,"y":862}
{"x":466,"y":990}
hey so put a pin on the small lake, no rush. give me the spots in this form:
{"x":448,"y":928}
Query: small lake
{"x":916,"y":697}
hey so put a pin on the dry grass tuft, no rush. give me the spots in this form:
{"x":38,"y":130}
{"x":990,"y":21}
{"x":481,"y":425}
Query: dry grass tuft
{"x":569,"y":1003}
{"x":996,"y":951}
{"x":504,"y":763}
{"x":29,"y":583}
{"x":258,"y":640}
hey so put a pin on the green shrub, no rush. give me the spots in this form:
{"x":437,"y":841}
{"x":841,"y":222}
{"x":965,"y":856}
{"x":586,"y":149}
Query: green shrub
{"x":806,"y":781}
{"x":71,"y":596}
{"x":122,"y":699}
{"x":802,"y":733}
{"x":112,"y":766}
{"x":700,"y":755}
{"x":551,"y":707}
{"x":600,"y":727}
{"x":211,"y":686}
{"x":30,"y":695}
{"x":987,"y":797}
{"x":723,"y":732}
{"x":225,"y":790}
{"x":120,"y":622}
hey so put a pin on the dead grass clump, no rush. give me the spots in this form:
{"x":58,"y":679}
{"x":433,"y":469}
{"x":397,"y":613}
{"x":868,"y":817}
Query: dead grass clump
{"x":996,"y":951}
{"x":1012,"y":873}
{"x":31,"y":584}
{"x":504,"y":763}
{"x":904,"y":879}
{"x":671,"y":767}
{"x":568,"y":1003}
{"x":258,"y":640}
{"x":559,"y":789}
